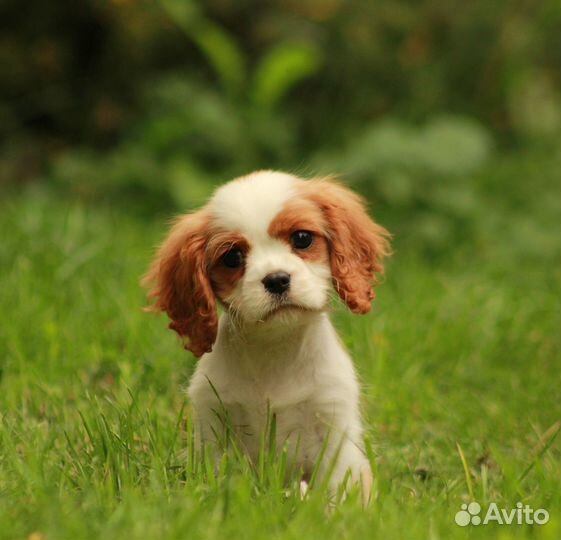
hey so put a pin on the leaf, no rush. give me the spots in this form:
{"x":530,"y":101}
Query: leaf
{"x":219,"y":47}
{"x":280,"y":70}
{"x":467,"y":472}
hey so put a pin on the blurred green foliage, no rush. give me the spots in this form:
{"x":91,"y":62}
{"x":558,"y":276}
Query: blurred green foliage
{"x":151,"y":104}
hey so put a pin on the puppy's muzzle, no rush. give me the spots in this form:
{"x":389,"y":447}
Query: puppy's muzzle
{"x":277,"y":282}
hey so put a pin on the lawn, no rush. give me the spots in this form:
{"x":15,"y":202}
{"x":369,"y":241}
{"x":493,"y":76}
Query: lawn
{"x":461,"y":354}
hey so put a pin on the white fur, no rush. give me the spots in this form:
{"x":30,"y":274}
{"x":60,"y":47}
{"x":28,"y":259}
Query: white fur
{"x":248,"y":204}
{"x":290,"y":362}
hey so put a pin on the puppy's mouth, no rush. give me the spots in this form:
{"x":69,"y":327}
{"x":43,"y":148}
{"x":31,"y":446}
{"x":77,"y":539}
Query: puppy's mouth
{"x":287,"y":308}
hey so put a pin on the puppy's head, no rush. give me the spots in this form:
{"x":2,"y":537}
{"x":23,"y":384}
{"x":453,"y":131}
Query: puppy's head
{"x":269,"y":246}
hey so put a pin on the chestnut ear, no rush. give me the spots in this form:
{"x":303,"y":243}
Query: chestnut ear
{"x":357,"y":245}
{"x":179,"y":283}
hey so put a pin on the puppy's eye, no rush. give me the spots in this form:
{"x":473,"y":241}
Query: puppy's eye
{"x":233,"y":258}
{"x":302,"y":239}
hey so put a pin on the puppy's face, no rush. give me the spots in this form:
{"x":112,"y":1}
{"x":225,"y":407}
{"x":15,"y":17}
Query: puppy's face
{"x":269,"y":258}
{"x":268,"y":246}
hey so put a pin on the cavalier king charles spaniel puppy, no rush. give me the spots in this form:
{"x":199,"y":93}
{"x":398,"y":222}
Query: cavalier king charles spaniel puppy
{"x":269,"y":248}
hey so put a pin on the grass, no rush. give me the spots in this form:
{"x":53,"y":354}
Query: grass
{"x":460,"y":364}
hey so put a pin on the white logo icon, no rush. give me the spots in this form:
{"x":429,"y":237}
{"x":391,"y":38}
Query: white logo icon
{"x":468,"y":514}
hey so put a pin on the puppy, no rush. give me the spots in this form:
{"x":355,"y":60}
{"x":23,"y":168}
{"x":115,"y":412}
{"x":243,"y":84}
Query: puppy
{"x":270,"y":247}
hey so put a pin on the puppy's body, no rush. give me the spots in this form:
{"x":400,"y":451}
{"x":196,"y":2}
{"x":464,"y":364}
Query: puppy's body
{"x":302,"y":376}
{"x":270,"y":247}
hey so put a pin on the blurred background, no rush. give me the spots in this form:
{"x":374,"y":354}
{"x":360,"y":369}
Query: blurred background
{"x":446,"y":114}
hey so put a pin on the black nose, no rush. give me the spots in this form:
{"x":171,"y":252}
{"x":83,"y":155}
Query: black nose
{"x":277,"y":282}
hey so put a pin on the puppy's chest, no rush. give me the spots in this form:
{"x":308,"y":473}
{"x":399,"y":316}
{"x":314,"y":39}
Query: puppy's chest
{"x":291,"y":407}
{"x":250,"y":401}
{"x":300,"y":424}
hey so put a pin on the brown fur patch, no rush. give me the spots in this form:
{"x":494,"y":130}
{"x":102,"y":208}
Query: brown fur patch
{"x":357,"y":245}
{"x":180,"y":284}
{"x":224,"y":279}
{"x":301,"y":215}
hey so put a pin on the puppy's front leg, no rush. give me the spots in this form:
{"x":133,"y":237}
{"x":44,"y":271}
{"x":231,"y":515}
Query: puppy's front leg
{"x":351,"y":468}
